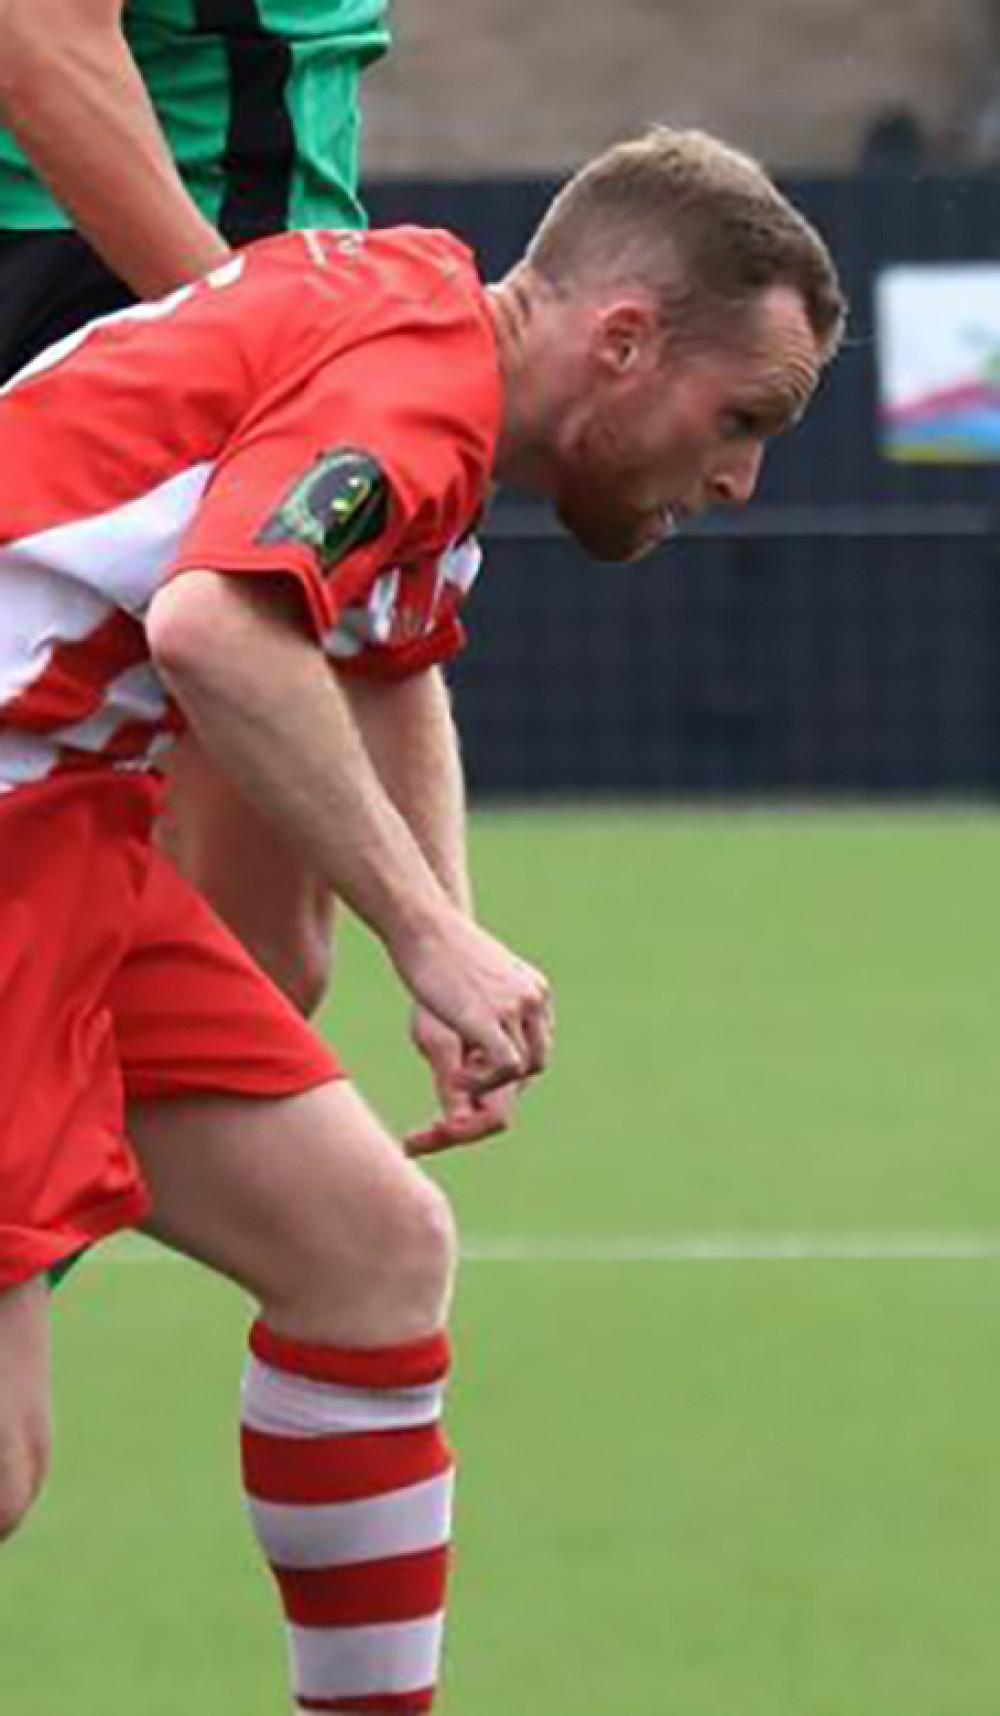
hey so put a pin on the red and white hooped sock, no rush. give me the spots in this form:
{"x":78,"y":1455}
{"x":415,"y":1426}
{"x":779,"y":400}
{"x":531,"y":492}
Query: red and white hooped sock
{"x":349,"y":1482}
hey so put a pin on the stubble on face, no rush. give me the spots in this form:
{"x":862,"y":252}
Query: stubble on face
{"x":594,"y":501}
{"x":629,"y":477}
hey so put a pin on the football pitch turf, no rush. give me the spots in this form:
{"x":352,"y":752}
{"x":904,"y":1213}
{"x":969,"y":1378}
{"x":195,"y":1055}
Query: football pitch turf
{"x":728,"y":1391}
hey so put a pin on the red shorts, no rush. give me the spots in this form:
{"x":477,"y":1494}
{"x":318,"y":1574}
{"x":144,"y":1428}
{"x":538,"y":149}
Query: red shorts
{"x":116,"y":982}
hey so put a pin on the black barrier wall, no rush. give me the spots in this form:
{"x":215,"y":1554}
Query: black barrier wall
{"x":840,"y":636}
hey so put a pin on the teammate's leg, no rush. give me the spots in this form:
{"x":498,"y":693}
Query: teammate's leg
{"x":24,"y":1399}
{"x":349,"y":1251}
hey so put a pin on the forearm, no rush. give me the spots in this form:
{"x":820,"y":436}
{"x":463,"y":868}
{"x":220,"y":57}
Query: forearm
{"x":410,"y":736}
{"x":76,"y":103}
{"x":263,"y":702}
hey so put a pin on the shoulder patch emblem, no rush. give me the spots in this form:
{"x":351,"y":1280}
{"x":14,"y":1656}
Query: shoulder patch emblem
{"x":341,"y":503}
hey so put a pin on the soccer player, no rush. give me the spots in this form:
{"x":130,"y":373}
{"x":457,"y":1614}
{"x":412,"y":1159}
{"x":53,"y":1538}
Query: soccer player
{"x":167,"y":131}
{"x":250,"y":509}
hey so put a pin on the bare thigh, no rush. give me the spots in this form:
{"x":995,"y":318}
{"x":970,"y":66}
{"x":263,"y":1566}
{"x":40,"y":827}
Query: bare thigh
{"x":308,"y":1203}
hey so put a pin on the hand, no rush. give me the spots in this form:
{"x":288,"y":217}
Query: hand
{"x":464,"y":1118}
{"x":498,"y":1007}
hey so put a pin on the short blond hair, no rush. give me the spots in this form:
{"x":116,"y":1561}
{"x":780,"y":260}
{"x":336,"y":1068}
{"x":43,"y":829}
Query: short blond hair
{"x":698,"y":223}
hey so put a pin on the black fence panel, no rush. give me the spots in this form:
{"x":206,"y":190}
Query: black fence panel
{"x":790,"y":665}
{"x":842,"y":637}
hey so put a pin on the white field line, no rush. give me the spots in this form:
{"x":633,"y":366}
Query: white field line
{"x":668,"y":1248}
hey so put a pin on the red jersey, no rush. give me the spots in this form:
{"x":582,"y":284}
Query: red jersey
{"x":324,"y":408}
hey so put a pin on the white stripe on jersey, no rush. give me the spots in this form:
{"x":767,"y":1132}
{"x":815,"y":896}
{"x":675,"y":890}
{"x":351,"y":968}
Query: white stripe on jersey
{"x":59,"y":586}
{"x":460,"y":564}
{"x":368,"y":622}
{"x":120,"y":554}
{"x":135,"y":695}
{"x":24,"y":759}
{"x":40,"y":610}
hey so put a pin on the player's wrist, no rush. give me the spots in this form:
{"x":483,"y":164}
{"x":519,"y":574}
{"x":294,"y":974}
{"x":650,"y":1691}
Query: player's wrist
{"x":418,"y":923}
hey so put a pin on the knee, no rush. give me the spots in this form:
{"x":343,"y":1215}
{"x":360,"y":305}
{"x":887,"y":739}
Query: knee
{"x":24,"y":1465}
{"x":424,"y":1249}
{"x":392,"y":1284}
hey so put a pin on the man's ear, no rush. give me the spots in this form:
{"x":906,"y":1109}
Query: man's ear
{"x":624,"y":336}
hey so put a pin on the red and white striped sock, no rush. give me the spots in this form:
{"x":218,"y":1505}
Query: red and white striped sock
{"x":349,"y":1481}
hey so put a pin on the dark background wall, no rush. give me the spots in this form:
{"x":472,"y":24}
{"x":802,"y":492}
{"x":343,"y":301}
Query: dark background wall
{"x":841,"y":636}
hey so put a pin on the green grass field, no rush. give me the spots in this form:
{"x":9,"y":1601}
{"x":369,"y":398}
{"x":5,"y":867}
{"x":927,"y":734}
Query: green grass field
{"x":700,"y":1478}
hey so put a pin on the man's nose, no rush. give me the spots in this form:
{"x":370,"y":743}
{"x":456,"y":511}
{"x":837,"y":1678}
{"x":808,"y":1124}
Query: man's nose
{"x":735,"y":479}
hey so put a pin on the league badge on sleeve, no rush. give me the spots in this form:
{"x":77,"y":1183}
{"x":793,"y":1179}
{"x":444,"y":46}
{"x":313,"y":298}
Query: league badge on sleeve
{"x":340,"y":504}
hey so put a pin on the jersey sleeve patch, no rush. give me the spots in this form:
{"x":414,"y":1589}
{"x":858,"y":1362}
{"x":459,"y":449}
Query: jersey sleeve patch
{"x":340,"y":504}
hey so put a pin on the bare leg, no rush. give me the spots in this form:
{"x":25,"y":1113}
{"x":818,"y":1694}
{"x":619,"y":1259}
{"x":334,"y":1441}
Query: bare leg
{"x":348,"y":1249}
{"x":309,"y":1204}
{"x":282,"y":912}
{"x":24,"y":1400}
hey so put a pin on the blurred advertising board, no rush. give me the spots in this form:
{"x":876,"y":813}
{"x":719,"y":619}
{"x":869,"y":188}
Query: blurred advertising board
{"x":938,"y":352}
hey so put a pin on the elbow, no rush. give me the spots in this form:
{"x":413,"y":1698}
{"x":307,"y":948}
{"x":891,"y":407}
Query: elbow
{"x":183,"y":631}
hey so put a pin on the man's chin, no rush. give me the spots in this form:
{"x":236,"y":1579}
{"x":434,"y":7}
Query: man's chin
{"x":613,"y":546}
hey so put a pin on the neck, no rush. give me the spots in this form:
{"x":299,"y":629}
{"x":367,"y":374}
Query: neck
{"x":522,"y":309}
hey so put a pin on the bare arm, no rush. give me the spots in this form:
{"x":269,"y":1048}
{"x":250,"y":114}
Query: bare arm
{"x":72,"y":95}
{"x":265,"y":705}
{"x":409,"y":733}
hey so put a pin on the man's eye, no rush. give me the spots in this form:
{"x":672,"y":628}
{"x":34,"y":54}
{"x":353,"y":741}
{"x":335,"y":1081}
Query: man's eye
{"x":741,"y":425}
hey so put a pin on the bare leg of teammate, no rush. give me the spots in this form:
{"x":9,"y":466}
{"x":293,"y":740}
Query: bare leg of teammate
{"x":349,"y":1251}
